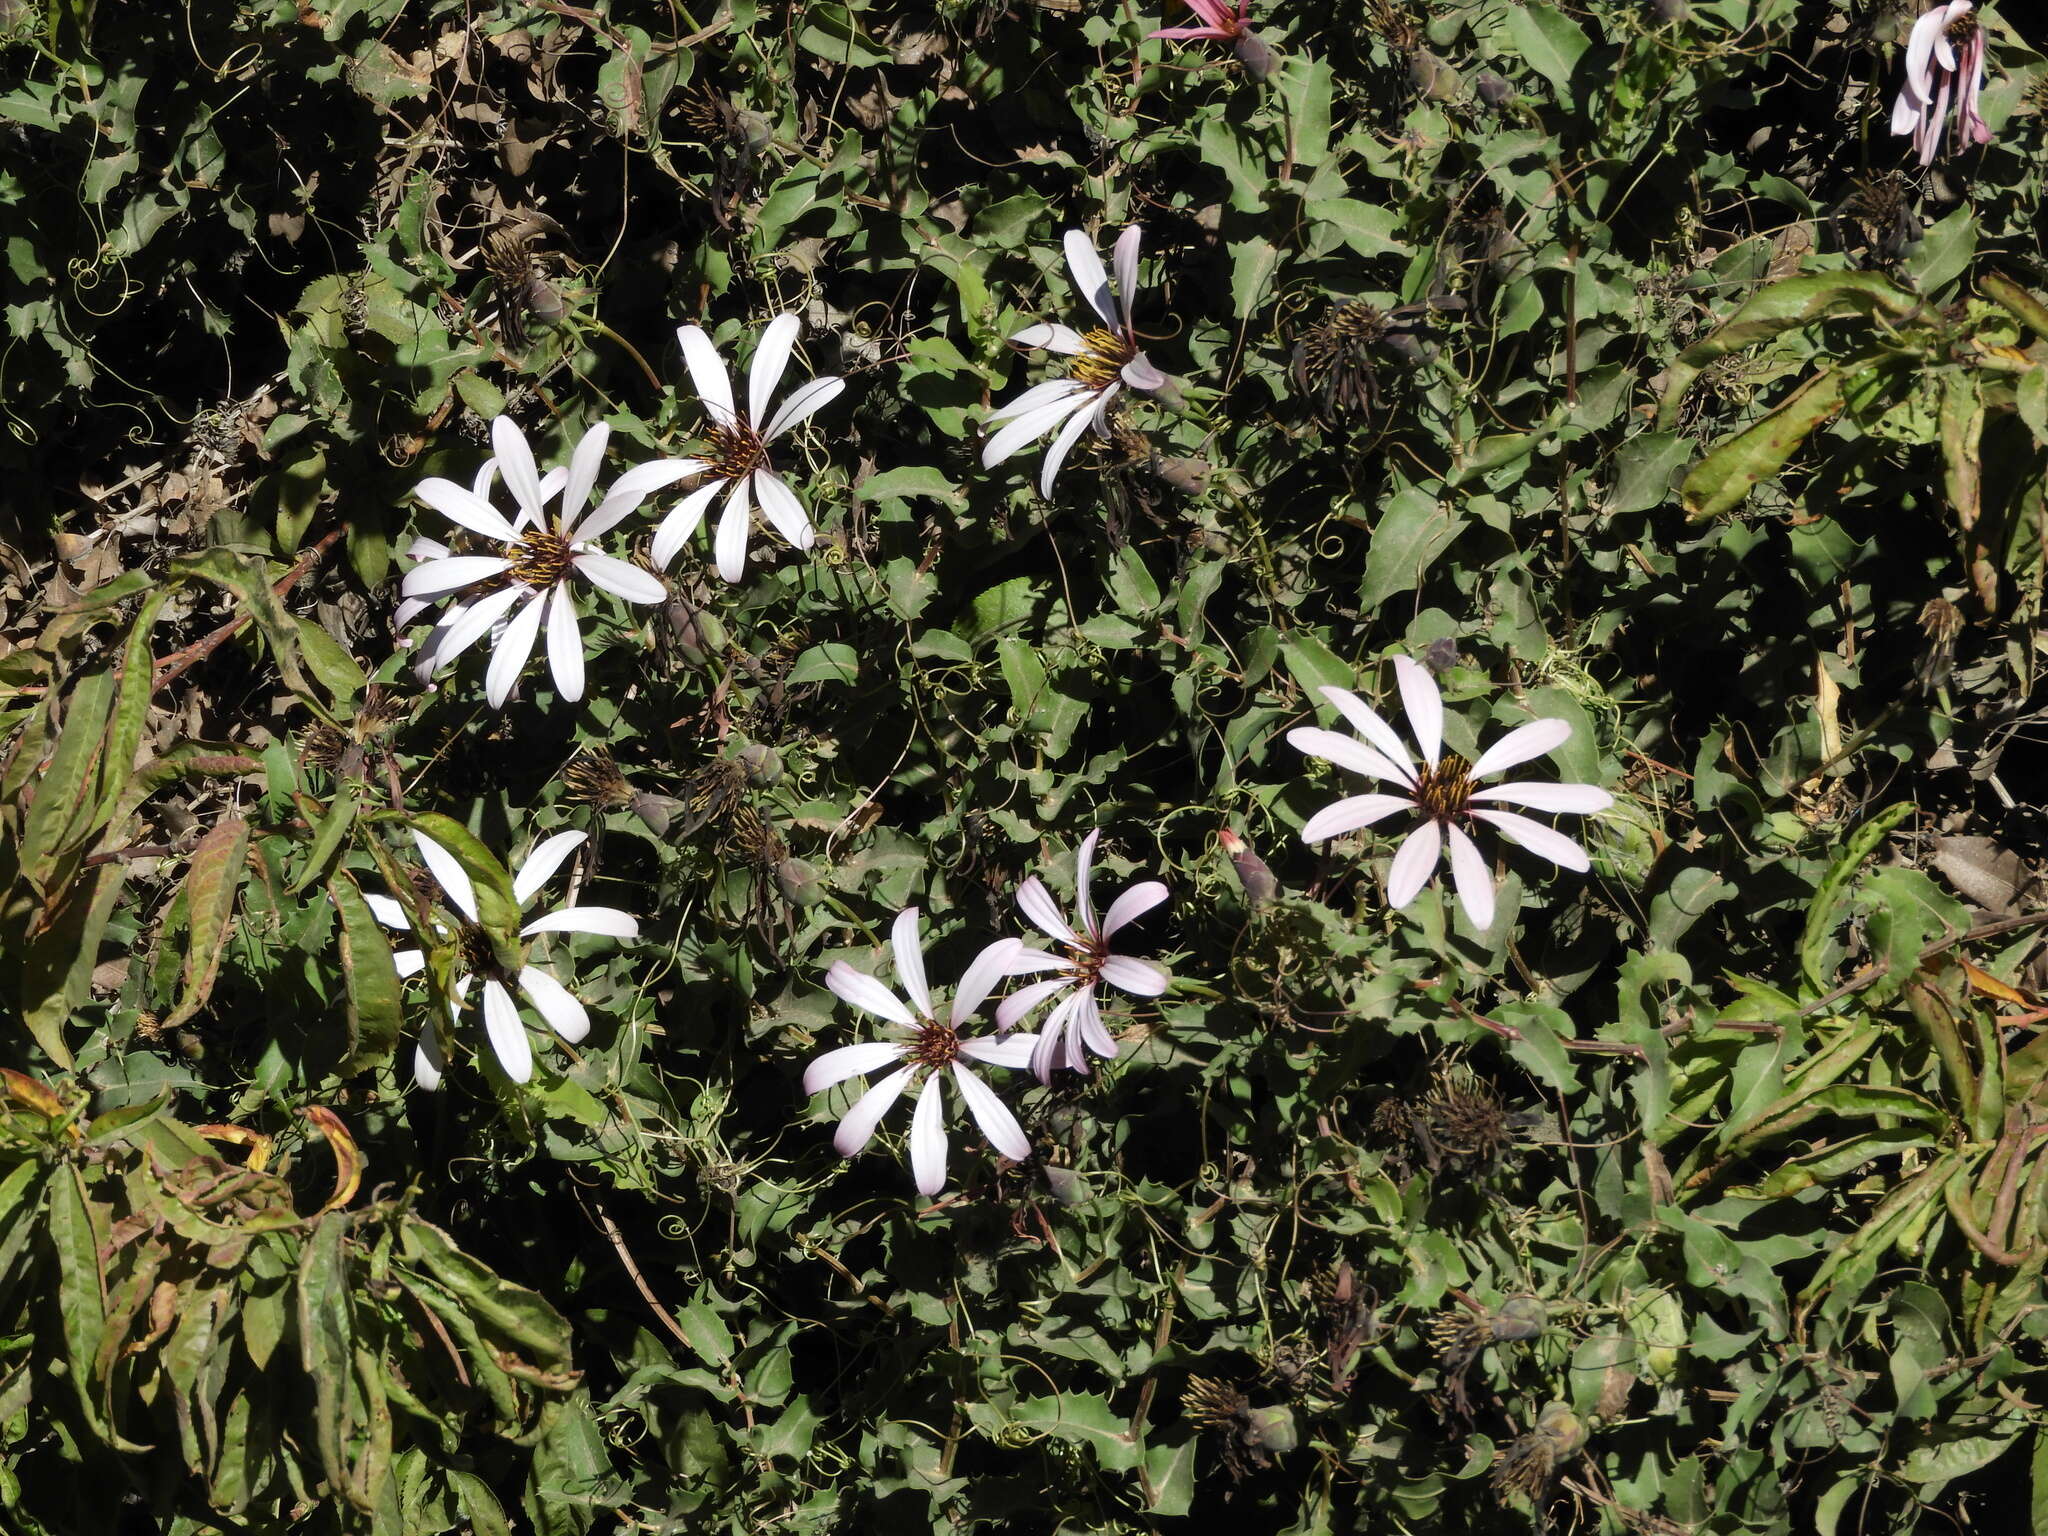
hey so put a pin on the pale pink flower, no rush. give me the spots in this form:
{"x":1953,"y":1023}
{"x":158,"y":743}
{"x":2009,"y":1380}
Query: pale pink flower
{"x":1226,"y":23}
{"x":1944,"y":60}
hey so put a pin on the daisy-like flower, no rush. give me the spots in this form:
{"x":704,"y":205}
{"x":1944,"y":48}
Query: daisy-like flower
{"x":1104,"y":361}
{"x":1442,"y":792}
{"x":553,"y":1001}
{"x":926,"y":1047}
{"x":1227,"y":23}
{"x":1944,"y":60}
{"x":537,"y":556}
{"x":736,"y":454}
{"x":1085,"y":966}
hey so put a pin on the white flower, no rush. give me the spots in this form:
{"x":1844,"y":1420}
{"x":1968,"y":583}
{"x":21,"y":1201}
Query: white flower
{"x":927,"y":1047}
{"x":553,"y":1001}
{"x":531,"y":572}
{"x":1441,"y":790}
{"x":738,"y":448}
{"x":1105,"y":360}
{"x":1087,"y":964}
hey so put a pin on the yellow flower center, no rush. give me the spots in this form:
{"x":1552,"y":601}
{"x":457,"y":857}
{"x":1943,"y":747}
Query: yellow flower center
{"x":936,"y":1045}
{"x":540,"y":559}
{"x":1444,"y":789}
{"x":736,"y":450}
{"x":1103,"y":362}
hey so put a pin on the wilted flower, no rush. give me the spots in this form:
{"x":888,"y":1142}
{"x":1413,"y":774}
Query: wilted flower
{"x":553,"y":1001}
{"x":927,"y":1047}
{"x":1442,"y":791}
{"x":737,"y":451}
{"x":531,"y":571}
{"x":1105,"y":360}
{"x":1087,"y":963}
{"x":1227,"y":22}
{"x":1944,"y":59}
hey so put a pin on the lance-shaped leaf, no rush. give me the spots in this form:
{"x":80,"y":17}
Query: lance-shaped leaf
{"x":211,"y":883}
{"x":497,"y":909}
{"x":376,"y":1015}
{"x":1724,"y":477}
{"x":327,"y":1341}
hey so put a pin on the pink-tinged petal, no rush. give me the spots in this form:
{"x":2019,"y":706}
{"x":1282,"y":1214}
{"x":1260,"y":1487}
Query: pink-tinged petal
{"x":1089,"y":1031}
{"x":1188,"y":34}
{"x":1132,"y":905}
{"x":1574,"y":799}
{"x":1084,"y":869}
{"x":836,"y":1067}
{"x":1345,"y":752}
{"x":1032,"y":425}
{"x":1521,"y":744}
{"x":1034,"y":397}
{"x":729,"y":548}
{"x":771,"y":357}
{"x":980,"y":978}
{"x":448,"y":873}
{"x":618,"y":577}
{"x":867,"y":994}
{"x":1472,"y":878}
{"x":1413,"y":864}
{"x":541,"y":864}
{"x":632,"y":488}
{"x":1366,"y":721}
{"x":1349,"y":815}
{"x":992,"y":1115}
{"x":1140,"y":375}
{"x":515,"y":463}
{"x":1046,"y":1052}
{"x":475,"y":621}
{"x":1538,"y":839}
{"x":804,"y":402}
{"x":928,"y":1138}
{"x":463,"y":506}
{"x":1013,"y":1051}
{"x":1125,"y":258}
{"x":1140,"y":978}
{"x":1028,"y":962}
{"x":387,"y":910}
{"x":676,"y":528}
{"x":565,"y":1015}
{"x":783,"y":511}
{"x":514,"y":647}
{"x":1036,"y":903}
{"x":1089,"y":276}
{"x":1024,"y":999}
{"x":857,"y":1126}
{"x":1424,"y":703}
{"x":584,"y":463}
{"x":565,"y":646}
{"x":1906,"y":110}
{"x":603,"y":922}
{"x":438,"y":577}
{"x":507,"y":1034}
{"x":906,"y":944}
{"x":1063,"y":443}
{"x":1054,"y":337}
{"x":707,"y":373}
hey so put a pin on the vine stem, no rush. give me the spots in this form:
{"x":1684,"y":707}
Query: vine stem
{"x":178,"y":663}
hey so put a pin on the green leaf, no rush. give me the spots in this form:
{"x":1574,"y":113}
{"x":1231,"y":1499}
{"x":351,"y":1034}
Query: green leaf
{"x":1550,"y":42}
{"x":376,"y":1015}
{"x":1367,"y":228}
{"x":1830,"y":897}
{"x":831,"y":662}
{"x":212,"y":880}
{"x":1413,"y":529}
{"x":1727,"y":475}
{"x":327,"y":1341}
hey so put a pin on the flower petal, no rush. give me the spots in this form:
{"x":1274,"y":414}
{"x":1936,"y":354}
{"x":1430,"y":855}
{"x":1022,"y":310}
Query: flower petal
{"x":540,"y":865}
{"x":1140,"y":978}
{"x":771,"y":357}
{"x":1024,"y":999}
{"x":604,"y":922}
{"x":909,"y":952}
{"x":1046,"y":1054}
{"x":1063,"y":444}
{"x":1142,"y":376}
{"x":928,"y":1138}
{"x":992,"y":1115}
{"x":475,"y":621}
{"x":1020,"y":430}
{"x":427,"y":1065}
{"x":1089,"y":1031}
{"x":730,"y":546}
{"x":632,"y":488}
{"x":388,"y":910}
{"x":1424,"y":703}
{"x":804,"y":402}
{"x":1054,"y":337}
{"x":522,"y":478}
{"x":584,"y":463}
{"x":1473,"y":879}
{"x":707,"y":373}
{"x":867,"y":994}
{"x":850,"y":1061}
{"x":1013,"y":1051}
{"x":857,"y":1126}
{"x":437,"y":577}
{"x":780,"y":506}
{"x":1084,"y":866}
{"x":461,"y":505}
{"x":1345,"y":752}
{"x":565,"y":1015}
{"x":1132,"y":905}
{"x":565,"y":646}
{"x":408,"y":962}
{"x":1538,"y":839}
{"x":1034,"y":397}
{"x":448,"y":873}
{"x":618,"y":577}
{"x":1126,"y":259}
{"x":514,"y":647}
{"x":1522,"y":743}
{"x":1089,"y":277}
{"x":507,"y":1033}
{"x":676,"y":528}
{"x":1036,"y":903}
{"x":1413,"y":864}
{"x":980,"y":978}
{"x":1576,"y":799}
{"x":1349,"y":815}
{"x":1367,"y":722}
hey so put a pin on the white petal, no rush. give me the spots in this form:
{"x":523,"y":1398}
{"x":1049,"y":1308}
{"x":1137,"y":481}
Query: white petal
{"x":1538,"y":839}
{"x":1024,"y":999}
{"x":804,"y":402}
{"x":605,"y":922}
{"x":1577,"y":799}
{"x":1141,"y":375}
{"x":448,"y":873}
{"x":476,"y":620}
{"x":1089,"y":276}
{"x":1349,"y":815}
{"x":1053,"y":337}
{"x":541,"y":864}
{"x":501,"y":1023}
{"x":1052,"y":1035}
{"x":1126,"y":258}
{"x":1088,"y":1029}
{"x":1473,"y":879}
{"x":857,"y":1127}
{"x":427,"y":1065}
{"x":730,"y":547}
{"x":1027,"y":428}
{"x":388,"y":910}
{"x":909,"y":953}
{"x":522,"y":478}
{"x":566,"y":1017}
{"x":771,"y":357}
{"x":1028,"y":962}
{"x":1132,"y":905}
{"x":1345,"y":752}
{"x":618,"y":578}
{"x":460,"y":505}
{"x":1367,"y":722}
{"x":1084,"y":868}
{"x":928,"y":1138}
{"x":867,"y":994}
{"x":1413,"y":864}
{"x":1034,"y":397}
{"x":1063,"y":443}
{"x":714,"y":388}
{"x":514,"y":647}
{"x":1037,"y":904}
{"x":980,"y":978}
{"x":565,"y":646}
{"x":409,"y":963}
{"x":850,"y":1061}
{"x":1013,"y":1051}
{"x":992,"y":1115}
{"x":1521,"y":744}
{"x":451,"y":575}
{"x":1424,"y":703}
{"x":780,"y":506}
{"x":584,"y":463}
{"x":676,"y":528}
{"x":632,"y":488}
{"x":1140,"y":978}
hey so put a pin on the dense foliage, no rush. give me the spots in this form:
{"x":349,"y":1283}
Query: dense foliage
{"x":1613,"y":361}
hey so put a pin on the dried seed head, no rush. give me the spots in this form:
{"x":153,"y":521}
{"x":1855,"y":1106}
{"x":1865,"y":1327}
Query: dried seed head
{"x":1527,"y":1464}
{"x":1465,"y":1116}
{"x":1214,"y":1404}
{"x":594,"y":779}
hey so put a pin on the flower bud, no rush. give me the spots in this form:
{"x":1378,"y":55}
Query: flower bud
{"x":1258,"y":60}
{"x":1271,"y":1429}
{"x":1067,"y":1186}
{"x":655,"y":811}
{"x":799,"y":882}
{"x":1492,"y":89}
{"x":1254,"y":878}
{"x":763,"y":765}
{"x":1433,"y":76}
{"x":1520,"y":1317}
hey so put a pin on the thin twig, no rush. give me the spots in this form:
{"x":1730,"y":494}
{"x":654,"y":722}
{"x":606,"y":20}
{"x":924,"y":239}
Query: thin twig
{"x":178,"y":663}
